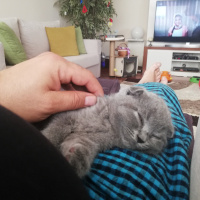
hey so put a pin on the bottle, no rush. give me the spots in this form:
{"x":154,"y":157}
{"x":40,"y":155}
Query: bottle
{"x":103,"y":60}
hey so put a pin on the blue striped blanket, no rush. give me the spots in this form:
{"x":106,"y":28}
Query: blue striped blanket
{"x":126,"y":174}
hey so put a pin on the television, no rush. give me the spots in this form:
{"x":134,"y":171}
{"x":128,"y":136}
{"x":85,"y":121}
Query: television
{"x":177,"y":21}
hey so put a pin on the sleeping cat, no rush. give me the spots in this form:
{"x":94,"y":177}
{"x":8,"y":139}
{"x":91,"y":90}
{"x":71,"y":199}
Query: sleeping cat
{"x":139,"y":120}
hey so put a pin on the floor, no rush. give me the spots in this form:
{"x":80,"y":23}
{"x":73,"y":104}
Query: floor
{"x":105,"y":74}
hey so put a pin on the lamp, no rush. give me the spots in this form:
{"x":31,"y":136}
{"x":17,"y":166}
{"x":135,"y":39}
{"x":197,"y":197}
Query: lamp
{"x":137,"y":33}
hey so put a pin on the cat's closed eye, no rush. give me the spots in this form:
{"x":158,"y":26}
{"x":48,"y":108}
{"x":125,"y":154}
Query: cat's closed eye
{"x":141,"y":119}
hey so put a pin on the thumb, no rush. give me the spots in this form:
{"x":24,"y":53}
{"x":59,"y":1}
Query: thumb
{"x":70,"y":100}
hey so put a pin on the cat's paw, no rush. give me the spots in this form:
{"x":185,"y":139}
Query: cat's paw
{"x":78,"y":157}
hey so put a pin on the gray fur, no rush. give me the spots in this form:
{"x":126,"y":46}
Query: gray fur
{"x":139,"y":120}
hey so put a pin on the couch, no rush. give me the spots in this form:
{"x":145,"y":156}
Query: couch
{"x":34,"y":40}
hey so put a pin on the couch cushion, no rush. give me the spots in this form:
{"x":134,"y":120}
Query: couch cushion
{"x":85,"y":60}
{"x":34,"y":37}
{"x":63,"y":40}
{"x":14,"y":51}
{"x":13,"y":24}
{"x":80,"y":42}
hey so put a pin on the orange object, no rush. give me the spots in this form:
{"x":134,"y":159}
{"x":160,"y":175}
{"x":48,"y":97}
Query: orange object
{"x":122,"y":52}
{"x":167,"y":75}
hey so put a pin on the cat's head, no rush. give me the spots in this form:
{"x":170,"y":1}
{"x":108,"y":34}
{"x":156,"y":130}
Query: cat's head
{"x":144,"y":118}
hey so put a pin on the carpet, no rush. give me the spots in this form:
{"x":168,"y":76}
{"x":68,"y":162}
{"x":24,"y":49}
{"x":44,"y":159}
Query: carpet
{"x":188,"y":94}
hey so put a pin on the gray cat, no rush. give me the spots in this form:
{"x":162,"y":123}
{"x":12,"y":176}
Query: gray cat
{"x":139,"y":120}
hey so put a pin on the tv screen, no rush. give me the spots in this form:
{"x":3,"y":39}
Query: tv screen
{"x":177,"y":21}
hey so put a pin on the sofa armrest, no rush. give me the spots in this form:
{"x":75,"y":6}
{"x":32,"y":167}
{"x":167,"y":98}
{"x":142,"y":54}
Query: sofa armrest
{"x":2,"y":57}
{"x":92,"y":46}
{"x":195,"y":167}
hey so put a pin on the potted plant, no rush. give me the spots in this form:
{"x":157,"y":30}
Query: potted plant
{"x":92,"y":16}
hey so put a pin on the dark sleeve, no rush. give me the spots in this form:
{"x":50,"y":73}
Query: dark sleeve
{"x":31,"y":167}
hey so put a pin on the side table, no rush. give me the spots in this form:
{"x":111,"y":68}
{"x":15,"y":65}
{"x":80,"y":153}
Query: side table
{"x":112,"y":53}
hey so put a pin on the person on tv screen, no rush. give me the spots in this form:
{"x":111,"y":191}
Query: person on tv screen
{"x":178,"y":30}
{"x":196,"y":31}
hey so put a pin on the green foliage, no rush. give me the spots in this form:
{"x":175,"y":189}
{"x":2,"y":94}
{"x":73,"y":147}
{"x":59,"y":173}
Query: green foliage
{"x":92,"y":22}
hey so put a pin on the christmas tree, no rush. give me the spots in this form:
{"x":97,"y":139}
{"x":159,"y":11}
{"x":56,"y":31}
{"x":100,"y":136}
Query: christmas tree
{"x":93,"y":16}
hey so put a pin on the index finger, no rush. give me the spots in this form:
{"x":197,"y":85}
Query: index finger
{"x":72,"y":73}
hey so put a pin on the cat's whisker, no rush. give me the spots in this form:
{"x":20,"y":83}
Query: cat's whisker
{"x":130,"y":132}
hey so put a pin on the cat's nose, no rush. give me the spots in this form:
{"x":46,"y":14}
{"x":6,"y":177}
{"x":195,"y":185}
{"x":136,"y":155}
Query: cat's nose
{"x":128,"y":92}
{"x":142,"y":137}
{"x":139,"y":140}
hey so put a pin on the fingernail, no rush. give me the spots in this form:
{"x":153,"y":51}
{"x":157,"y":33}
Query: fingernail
{"x":90,"y":100}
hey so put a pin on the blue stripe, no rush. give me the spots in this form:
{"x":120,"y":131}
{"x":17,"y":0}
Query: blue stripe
{"x":126,"y":174}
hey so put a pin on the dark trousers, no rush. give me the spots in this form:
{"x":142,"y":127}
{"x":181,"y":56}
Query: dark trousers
{"x":31,"y":167}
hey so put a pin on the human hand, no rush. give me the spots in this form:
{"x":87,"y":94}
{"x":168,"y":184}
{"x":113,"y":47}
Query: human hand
{"x":32,"y":89}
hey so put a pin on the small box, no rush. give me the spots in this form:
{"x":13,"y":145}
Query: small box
{"x":126,"y":67}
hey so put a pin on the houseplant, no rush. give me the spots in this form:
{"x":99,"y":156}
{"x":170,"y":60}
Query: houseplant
{"x":93,"y":16}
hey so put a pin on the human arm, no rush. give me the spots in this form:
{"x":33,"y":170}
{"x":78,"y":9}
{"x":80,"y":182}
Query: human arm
{"x":185,"y":31}
{"x":2,"y":57}
{"x":170,"y":32}
{"x":32,"y":89}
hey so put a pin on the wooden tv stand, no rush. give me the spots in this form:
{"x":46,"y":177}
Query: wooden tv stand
{"x":173,"y":58}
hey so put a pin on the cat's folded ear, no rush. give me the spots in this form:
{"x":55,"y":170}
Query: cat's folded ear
{"x":135,"y":91}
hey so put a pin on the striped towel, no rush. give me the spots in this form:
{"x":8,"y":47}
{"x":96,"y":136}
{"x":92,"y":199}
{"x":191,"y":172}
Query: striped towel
{"x":126,"y":174}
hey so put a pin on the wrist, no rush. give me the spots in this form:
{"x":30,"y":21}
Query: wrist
{"x":4,"y":89}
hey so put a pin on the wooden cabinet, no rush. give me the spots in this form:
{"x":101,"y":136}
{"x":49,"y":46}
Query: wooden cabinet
{"x":178,"y":61}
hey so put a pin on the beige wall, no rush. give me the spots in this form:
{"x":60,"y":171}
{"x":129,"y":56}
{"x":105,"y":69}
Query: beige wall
{"x":41,"y":10}
{"x":130,"y":14}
